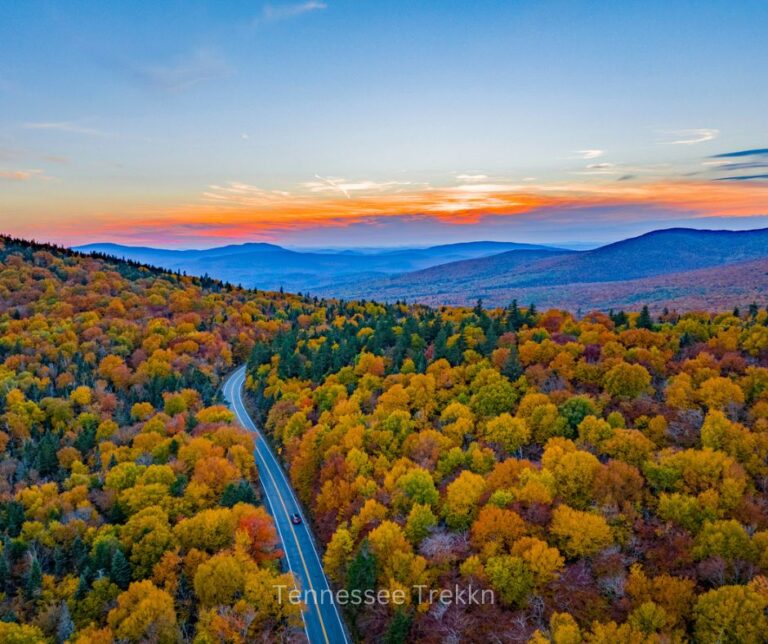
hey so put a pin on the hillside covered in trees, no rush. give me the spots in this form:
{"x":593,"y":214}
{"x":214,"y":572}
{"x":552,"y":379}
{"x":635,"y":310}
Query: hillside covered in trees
{"x":676,"y":268}
{"x":129,"y":505}
{"x":604,"y":476}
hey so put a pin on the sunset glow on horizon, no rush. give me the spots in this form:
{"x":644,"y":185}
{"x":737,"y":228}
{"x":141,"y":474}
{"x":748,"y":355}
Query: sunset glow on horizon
{"x":546,"y":122}
{"x":241,"y":212}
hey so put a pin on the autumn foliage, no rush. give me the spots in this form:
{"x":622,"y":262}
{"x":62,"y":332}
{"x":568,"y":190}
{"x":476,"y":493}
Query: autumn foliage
{"x":604,"y":476}
{"x":129,"y":501}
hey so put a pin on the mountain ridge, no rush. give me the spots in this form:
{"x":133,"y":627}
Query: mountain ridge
{"x":499,"y":278}
{"x":621,"y":273}
{"x":270,"y":267}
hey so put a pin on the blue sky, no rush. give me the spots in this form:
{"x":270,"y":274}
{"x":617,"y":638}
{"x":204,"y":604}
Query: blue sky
{"x":144,"y":115}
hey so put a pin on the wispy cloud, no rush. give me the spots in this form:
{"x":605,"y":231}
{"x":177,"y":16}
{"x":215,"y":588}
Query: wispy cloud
{"x":756,"y":152}
{"x":274,"y":13}
{"x":243,"y":194}
{"x":471,"y":178}
{"x":601,"y":168}
{"x":590,"y":154}
{"x":604,"y":169}
{"x":624,"y":171}
{"x":345,"y":187}
{"x":745,"y":177}
{"x":325,"y":183}
{"x":691,"y":137}
{"x":755,"y":160}
{"x":748,"y":165}
{"x":69,"y":127}
{"x":184,"y":73}
{"x":22,"y":175}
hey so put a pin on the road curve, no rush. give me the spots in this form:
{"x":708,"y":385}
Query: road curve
{"x":322,"y":620}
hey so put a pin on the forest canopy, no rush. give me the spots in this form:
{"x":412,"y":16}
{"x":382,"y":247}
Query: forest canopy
{"x":129,"y":500}
{"x":604,"y":475}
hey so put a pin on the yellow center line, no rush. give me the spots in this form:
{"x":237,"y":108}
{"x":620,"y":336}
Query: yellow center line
{"x":290,"y":525}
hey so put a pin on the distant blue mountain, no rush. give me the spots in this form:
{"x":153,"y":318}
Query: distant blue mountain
{"x":560,"y":277}
{"x":268,"y":266}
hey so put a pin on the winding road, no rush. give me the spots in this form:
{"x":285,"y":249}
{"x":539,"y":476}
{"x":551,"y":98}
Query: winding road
{"x":322,"y":621}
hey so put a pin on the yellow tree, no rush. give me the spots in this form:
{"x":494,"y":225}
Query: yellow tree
{"x":731,"y":614}
{"x":720,"y":393}
{"x":461,"y":500}
{"x":627,"y":380}
{"x":507,"y":431}
{"x":219,"y":580}
{"x":338,"y":552}
{"x":580,"y":534}
{"x":544,"y":561}
{"x":144,"y":613}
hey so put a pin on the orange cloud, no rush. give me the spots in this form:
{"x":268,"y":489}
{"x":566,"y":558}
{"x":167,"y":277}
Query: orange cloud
{"x":22,"y":175}
{"x":253,"y":208}
{"x":238,"y":210}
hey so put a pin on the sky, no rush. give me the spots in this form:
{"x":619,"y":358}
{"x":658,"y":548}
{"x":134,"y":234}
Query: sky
{"x":360,"y":123}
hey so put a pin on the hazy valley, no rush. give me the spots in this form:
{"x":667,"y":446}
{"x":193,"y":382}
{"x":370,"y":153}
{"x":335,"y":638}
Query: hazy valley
{"x":679,"y":268}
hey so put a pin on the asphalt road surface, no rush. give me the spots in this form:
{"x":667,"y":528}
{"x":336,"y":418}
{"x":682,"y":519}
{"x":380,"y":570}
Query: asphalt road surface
{"x":322,"y":621}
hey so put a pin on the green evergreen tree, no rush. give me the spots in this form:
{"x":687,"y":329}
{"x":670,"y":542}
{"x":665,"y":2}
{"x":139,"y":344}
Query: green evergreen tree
{"x":512,"y":368}
{"x":83,"y":586}
{"x":321,"y":361}
{"x":261,"y":354}
{"x":491,"y":339}
{"x":86,"y":438}
{"x":59,"y":561}
{"x":619,"y":319}
{"x":531,"y":315}
{"x":120,"y":569}
{"x":514,"y":317}
{"x":117,"y":514}
{"x":420,"y":360}
{"x":78,"y":553}
{"x":102,"y":556}
{"x":399,"y":627}
{"x":361,"y":574}
{"x":235,"y":493}
{"x":48,"y":460}
{"x":14,"y":518}
{"x":644,"y":320}
{"x":440,"y":344}
{"x":5,"y":574}
{"x":179,"y":485}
